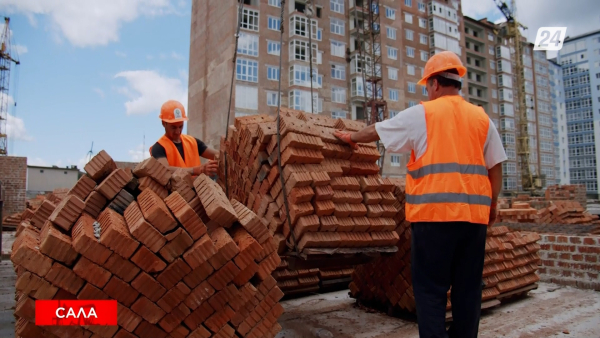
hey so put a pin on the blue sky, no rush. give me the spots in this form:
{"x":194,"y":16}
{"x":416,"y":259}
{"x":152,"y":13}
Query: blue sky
{"x":99,"y":70}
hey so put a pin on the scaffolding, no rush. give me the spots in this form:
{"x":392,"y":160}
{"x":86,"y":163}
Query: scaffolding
{"x":6,"y":61}
{"x":367,"y":32}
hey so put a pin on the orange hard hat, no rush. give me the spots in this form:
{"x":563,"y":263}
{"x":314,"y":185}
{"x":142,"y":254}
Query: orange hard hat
{"x":172,"y":111}
{"x":441,"y":62}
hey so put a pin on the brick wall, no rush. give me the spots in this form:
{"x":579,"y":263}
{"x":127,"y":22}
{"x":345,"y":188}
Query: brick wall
{"x":13,"y":175}
{"x":571,"y":260}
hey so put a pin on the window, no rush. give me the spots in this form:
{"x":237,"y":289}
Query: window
{"x":490,"y":36}
{"x":412,"y":103}
{"x":408,"y":18}
{"x":392,"y":53}
{"x":422,"y":23}
{"x":410,"y":52}
{"x":338,"y":48}
{"x":410,"y":69}
{"x":393,"y":94}
{"x":338,"y":95}
{"x":412,"y":87}
{"x":491,"y":50}
{"x":248,"y":44}
{"x":275,"y":3}
{"x":424,"y":55}
{"x":392,"y":73}
{"x":337,"y":27}
{"x":273,"y":47}
{"x":424,"y":90}
{"x":273,"y":73}
{"x":408,"y":3}
{"x":246,"y":97}
{"x":250,"y":19}
{"x":300,"y":100}
{"x":393,"y":113}
{"x":299,"y":51}
{"x":509,"y":168}
{"x":274,"y":23}
{"x":390,"y":13}
{"x":509,"y":183}
{"x":338,"y":114}
{"x":495,"y":108}
{"x":391,"y":33}
{"x":409,"y":34}
{"x":337,"y":6}
{"x":423,"y":38}
{"x":300,"y":76}
{"x":494,"y":94}
{"x":338,"y":72}
{"x":508,"y":139}
{"x":421,"y":6}
{"x":272,"y":99}
{"x":395,"y":160}
{"x":493,"y":78}
{"x":247,"y":70}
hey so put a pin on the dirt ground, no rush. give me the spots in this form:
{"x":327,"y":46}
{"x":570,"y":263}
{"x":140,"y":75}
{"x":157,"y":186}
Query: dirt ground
{"x":548,"y":311}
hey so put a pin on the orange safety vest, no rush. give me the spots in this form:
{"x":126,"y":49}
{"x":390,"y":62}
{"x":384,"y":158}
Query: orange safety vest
{"x":190,"y":150}
{"x":449,"y":182}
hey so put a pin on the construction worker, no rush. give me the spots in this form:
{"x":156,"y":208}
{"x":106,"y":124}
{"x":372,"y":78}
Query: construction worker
{"x":177,"y":150}
{"x":452,"y":184}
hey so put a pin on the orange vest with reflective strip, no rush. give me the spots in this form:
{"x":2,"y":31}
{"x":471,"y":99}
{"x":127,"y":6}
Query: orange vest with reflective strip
{"x":449,"y":182}
{"x":190,"y":150}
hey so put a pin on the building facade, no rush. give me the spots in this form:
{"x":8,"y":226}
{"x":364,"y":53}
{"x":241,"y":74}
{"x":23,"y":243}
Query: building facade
{"x":559,"y":119}
{"x":45,"y":179}
{"x":580,"y":62}
{"x":410,"y":32}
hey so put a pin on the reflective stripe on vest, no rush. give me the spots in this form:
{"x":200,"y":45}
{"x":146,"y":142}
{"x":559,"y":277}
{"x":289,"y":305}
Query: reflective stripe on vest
{"x":190,"y":150}
{"x":440,"y":168}
{"x":449,"y":182}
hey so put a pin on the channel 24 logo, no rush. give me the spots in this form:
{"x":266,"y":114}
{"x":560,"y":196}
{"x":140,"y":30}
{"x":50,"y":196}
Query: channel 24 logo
{"x":550,"y":38}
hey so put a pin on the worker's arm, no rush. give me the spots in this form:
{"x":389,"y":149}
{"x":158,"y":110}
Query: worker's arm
{"x":495,"y":176}
{"x":366,"y":135}
{"x":209,"y":168}
{"x":210,"y":153}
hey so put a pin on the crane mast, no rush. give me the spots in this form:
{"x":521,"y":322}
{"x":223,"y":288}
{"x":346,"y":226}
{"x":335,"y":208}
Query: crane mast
{"x":6,"y":60}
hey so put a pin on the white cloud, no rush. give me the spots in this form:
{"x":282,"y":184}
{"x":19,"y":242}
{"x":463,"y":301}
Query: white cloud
{"x":139,"y":154}
{"x":99,"y":91}
{"x":177,"y":56}
{"x":37,"y":161}
{"x":15,"y":129}
{"x":121,"y":54}
{"x":91,"y":22}
{"x":20,"y":49}
{"x":147,"y":90}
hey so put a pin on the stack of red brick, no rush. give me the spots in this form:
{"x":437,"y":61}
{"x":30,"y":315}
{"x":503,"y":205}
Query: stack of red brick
{"x":336,"y":197}
{"x":510,"y":263}
{"x":309,"y":280}
{"x":573,"y":192}
{"x":177,"y":255}
{"x":559,"y":212}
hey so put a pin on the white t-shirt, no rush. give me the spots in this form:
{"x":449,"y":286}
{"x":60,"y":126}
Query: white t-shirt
{"x":408,"y":131}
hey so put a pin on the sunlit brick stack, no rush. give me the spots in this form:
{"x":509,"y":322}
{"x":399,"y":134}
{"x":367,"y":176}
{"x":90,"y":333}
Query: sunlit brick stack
{"x":336,"y":197}
{"x":558,"y":212}
{"x":510,"y":264}
{"x":177,"y":255}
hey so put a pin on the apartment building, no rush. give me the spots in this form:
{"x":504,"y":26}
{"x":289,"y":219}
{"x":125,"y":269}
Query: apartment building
{"x":580,"y":62}
{"x":559,"y":120}
{"x":410,"y":32}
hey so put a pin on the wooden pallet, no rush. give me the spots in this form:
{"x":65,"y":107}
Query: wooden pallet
{"x":324,"y":258}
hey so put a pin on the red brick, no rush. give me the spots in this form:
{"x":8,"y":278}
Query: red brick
{"x":246,"y":274}
{"x":177,"y":243}
{"x":121,"y":291}
{"x":100,"y":166}
{"x":155,"y":211}
{"x":248,"y":247}
{"x":94,"y":203}
{"x":115,"y":235}
{"x":198,"y":275}
{"x":589,"y":249}
{"x":84,"y":186}
{"x":148,"y":310}
{"x":575,"y":240}
{"x":186,"y":215}
{"x":30,"y":284}
{"x":142,"y":230}
{"x":64,"y":277}
{"x":148,"y":261}
{"x":42,"y":213}
{"x":268,"y":265}
{"x":86,"y":243}
{"x":123,"y":334}
{"x":324,"y":208}
{"x":91,"y":272}
{"x":126,"y":318}
{"x":111,"y":185}
{"x":148,"y":286}
{"x":224,"y":276}
{"x":565,"y":256}
{"x":56,"y":245}
{"x":173,"y":273}
{"x":199,"y":315}
{"x":150,"y":167}
{"x":591,"y":258}
{"x":251,"y":222}
{"x":174,"y":297}
{"x":25,"y":328}
{"x":219,"y":319}
{"x":149,"y":183}
{"x":589,"y":241}
{"x":172,"y":320}
{"x":562,"y":239}
{"x":67,"y":212}
{"x":180,"y":332}
{"x":323,"y":192}
{"x":25,"y":308}
{"x":146,"y":329}
{"x":200,"y":332}
{"x":122,"y":268}
{"x":216,"y":204}
{"x":225,"y":246}
{"x":90,"y":292}
{"x":550,"y":238}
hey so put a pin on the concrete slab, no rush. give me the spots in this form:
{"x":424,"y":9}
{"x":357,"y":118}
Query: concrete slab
{"x":551,"y":310}
{"x":8,"y":238}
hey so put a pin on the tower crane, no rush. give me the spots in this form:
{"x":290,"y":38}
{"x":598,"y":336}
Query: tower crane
{"x":6,"y":60}
{"x":530,"y":182}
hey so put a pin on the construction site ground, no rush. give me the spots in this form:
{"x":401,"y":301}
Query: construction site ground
{"x":549,"y":311}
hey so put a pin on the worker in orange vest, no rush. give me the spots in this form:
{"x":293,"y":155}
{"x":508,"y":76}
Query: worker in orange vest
{"x":452,"y":184}
{"x":178,"y":150}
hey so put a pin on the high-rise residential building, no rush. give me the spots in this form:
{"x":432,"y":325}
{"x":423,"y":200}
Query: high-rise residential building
{"x":580,"y":62}
{"x":410,"y":31}
{"x":559,"y":119}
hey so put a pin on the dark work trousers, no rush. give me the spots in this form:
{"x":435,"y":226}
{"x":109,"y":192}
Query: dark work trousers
{"x":444,"y":255}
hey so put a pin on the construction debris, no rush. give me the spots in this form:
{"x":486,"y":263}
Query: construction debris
{"x":335,"y":195}
{"x":192,"y":264}
{"x":573,"y":192}
{"x":510,"y":264}
{"x":560,"y":212}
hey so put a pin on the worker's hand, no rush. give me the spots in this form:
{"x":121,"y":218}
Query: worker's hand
{"x":345,"y":136}
{"x":210,"y":168}
{"x":493,"y":214}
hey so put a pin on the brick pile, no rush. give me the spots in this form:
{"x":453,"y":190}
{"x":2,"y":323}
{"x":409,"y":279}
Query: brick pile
{"x":192,"y":264}
{"x":510,"y":264}
{"x":563,"y":212}
{"x":573,"y":192}
{"x":336,"y":197}
{"x":309,"y":280}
